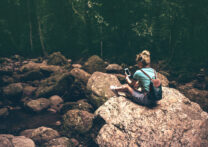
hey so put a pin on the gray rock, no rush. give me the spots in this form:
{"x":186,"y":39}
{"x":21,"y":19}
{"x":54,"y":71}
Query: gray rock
{"x":7,"y":140}
{"x":195,"y":95}
{"x":60,"y":142}
{"x":176,"y":121}
{"x":32,"y":75}
{"x":55,"y":85}
{"x":57,"y":59}
{"x":77,"y":121}
{"x":29,"y":90}
{"x":41,"y":135}
{"x":163,"y":79}
{"x":43,"y":67}
{"x":114,"y":68}
{"x":22,"y":141}
{"x":99,"y":87}
{"x":80,"y":74}
{"x":76,"y":65}
{"x":81,"y":105}
{"x":78,"y":88}
{"x":56,"y":103}
{"x":13,"y":91}
{"x":7,"y":80}
{"x":4,"y":112}
{"x":94,"y":63}
{"x":56,"y":100}
{"x":38,"y":104}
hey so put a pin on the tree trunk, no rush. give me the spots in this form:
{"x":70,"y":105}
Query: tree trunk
{"x":30,"y":25}
{"x":41,"y":37}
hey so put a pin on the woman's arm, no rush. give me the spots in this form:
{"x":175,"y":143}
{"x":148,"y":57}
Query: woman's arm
{"x":131,"y":83}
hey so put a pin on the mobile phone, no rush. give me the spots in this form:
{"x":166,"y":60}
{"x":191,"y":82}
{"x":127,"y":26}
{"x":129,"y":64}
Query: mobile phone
{"x":127,"y":72}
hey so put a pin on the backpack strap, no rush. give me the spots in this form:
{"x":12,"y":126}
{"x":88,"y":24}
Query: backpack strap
{"x":146,"y":74}
{"x":155,"y":74}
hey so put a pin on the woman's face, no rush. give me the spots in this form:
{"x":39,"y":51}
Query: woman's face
{"x":140,"y":65}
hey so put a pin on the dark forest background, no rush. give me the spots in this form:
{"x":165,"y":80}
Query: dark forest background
{"x":175,"y":31}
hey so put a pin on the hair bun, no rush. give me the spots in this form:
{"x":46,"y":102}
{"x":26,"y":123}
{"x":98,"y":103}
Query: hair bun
{"x":145,"y":52}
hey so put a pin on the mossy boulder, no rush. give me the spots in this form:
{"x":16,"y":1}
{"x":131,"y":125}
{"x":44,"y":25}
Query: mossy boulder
{"x":81,"y":105}
{"x":41,"y":135}
{"x":57,"y":84}
{"x":98,"y":87}
{"x":94,"y":63}
{"x":57,"y":58}
{"x":77,"y":122}
{"x":13,"y":91}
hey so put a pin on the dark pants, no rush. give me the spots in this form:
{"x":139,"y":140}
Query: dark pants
{"x":142,"y":99}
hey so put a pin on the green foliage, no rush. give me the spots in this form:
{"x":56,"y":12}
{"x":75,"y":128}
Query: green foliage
{"x":173,"y":30}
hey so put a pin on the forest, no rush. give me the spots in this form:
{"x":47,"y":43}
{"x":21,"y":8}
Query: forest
{"x":173,"y":31}
{"x":63,"y":80}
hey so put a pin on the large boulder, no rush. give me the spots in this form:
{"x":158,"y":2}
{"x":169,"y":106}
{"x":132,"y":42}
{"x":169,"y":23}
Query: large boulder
{"x":43,"y":67}
{"x":22,"y":141}
{"x":55,"y":85}
{"x":28,"y":90}
{"x":38,"y":104}
{"x":163,"y":79}
{"x":98,"y":87}
{"x":56,"y":103}
{"x":32,"y":75}
{"x":7,"y":140}
{"x":176,"y":121}
{"x":6,"y":70}
{"x":60,"y":142}
{"x":80,"y":74}
{"x":81,"y":105}
{"x":77,"y":121}
{"x":41,"y":135}
{"x":195,"y":95}
{"x":114,"y":68}
{"x":57,"y":59}
{"x":13,"y":91}
{"x":5,"y":80}
{"x":78,"y":88}
{"x":94,"y":63}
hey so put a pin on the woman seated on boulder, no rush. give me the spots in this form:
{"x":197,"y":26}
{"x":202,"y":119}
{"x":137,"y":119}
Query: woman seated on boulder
{"x":141,"y":97}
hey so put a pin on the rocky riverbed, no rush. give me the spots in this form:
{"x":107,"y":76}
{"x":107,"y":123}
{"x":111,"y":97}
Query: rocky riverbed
{"x":55,"y":102}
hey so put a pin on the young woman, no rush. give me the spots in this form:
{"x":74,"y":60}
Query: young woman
{"x":141,"y":97}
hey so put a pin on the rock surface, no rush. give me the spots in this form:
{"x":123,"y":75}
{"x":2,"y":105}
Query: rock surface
{"x":77,"y":121}
{"x":94,"y":63}
{"x":57,"y":58}
{"x":13,"y":91}
{"x":176,"y":121}
{"x":7,"y":140}
{"x":38,"y":104}
{"x":114,"y":68}
{"x":80,"y":74}
{"x":43,"y":67}
{"x":55,"y":85}
{"x":195,"y":95}
{"x":163,"y":79}
{"x":99,"y":87}
{"x":81,"y":105}
{"x":41,"y":134}
{"x":60,"y":142}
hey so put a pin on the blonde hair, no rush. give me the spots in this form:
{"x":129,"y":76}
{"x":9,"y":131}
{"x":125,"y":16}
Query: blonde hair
{"x":143,"y":57}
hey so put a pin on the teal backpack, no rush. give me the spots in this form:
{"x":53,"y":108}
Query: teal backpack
{"x":155,"y":89}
